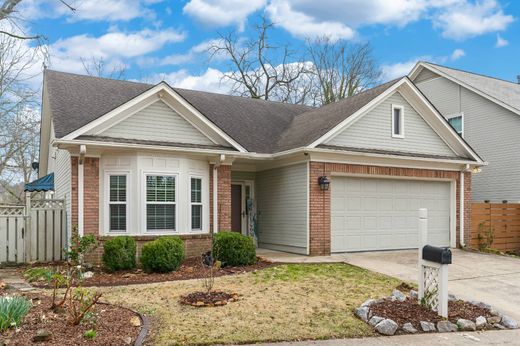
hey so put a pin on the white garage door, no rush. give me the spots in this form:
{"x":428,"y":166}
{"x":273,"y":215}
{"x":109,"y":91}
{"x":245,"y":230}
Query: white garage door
{"x":382,"y":214}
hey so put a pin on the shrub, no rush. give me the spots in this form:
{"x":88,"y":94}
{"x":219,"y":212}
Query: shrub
{"x":90,"y":334}
{"x":234,"y":249}
{"x":12,"y":311}
{"x":162,"y":255}
{"x":119,"y":253}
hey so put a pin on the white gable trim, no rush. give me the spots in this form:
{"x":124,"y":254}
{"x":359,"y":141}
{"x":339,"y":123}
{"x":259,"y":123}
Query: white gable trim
{"x":420,"y":66}
{"x":164,"y":92}
{"x":415,"y":98}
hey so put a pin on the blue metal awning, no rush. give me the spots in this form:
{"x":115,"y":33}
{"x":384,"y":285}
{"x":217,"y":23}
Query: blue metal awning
{"x":45,"y":183}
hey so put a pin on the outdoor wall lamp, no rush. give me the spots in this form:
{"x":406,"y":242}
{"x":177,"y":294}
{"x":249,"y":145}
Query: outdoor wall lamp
{"x":324,"y":183}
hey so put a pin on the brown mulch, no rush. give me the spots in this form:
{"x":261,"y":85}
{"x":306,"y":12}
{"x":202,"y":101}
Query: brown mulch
{"x":112,"y":325}
{"x":191,"y":268}
{"x":205,"y":299}
{"x":411,"y":311}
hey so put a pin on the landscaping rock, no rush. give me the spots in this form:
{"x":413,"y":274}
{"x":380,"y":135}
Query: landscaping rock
{"x":480,"y":304}
{"x":499,"y":326}
{"x":362,"y":312}
{"x":495,"y":312}
{"x":452,"y":297}
{"x":135,"y":321}
{"x":386,"y":327}
{"x":481,"y":322}
{"x":414,"y":294}
{"x":128,"y":340}
{"x":427,"y":326}
{"x":509,"y":323}
{"x":446,"y":327}
{"x":375,"y":320}
{"x":42,"y":335}
{"x":466,"y":325}
{"x":494,"y":319}
{"x":408,"y":328}
{"x":398,"y":295}
{"x":369,"y":302}
{"x":88,"y":275}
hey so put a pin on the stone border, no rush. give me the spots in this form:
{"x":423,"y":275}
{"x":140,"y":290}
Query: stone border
{"x":386,"y":326}
{"x":145,"y":324}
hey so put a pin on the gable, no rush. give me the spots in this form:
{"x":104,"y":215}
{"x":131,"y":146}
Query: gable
{"x":373,"y":131}
{"x":157,"y":122}
{"x":443,"y":94}
{"x":425,"y":75}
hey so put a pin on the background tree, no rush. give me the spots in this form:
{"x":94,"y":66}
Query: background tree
{"x":98,"y":67}
{"x":342,"y":69}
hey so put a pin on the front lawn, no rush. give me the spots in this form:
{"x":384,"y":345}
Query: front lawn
{"x":286,"y":302}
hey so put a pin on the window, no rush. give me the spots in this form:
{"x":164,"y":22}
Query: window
{"x":117,"y":203}
{"x":160,"y":203}
{"x":397,"y":121}
{"x":196,"y":204}
{"x":457,"y":123}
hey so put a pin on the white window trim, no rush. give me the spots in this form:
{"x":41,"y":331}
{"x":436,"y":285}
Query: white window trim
{"x":461,"y":115}
{"x":144,"y":228}
{"x":190,"y":203}
{"x":106,"y":228}
{"x":401,"y":134}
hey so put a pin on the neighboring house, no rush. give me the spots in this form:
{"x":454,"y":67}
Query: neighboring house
{"x":486,"y":113}
{"x":148,"y":160}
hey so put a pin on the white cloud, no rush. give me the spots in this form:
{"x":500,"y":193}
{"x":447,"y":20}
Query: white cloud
{"x":210,"y":80}
{"x":400,"y":69}
{"x":465,"y":20}
{"x":457,"y":54}
{"x":95,"y":10}
{"x":192,"y":55}
{"x":218,"y":13}
{"x":501,"y":42}
{"x":67,"y":53}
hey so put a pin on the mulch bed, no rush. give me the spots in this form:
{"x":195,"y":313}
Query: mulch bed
{"x":191,"y":268}
{"x":205,"y":299}
{"x":411,"y":311}
{"x":112,"y":324}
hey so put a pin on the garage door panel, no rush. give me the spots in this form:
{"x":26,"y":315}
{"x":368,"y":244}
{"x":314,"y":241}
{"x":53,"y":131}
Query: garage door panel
{"x":381,"y":214}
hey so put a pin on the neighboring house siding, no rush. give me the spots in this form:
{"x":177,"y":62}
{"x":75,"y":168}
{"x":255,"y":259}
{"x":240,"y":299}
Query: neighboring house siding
{"x":157,"y":122}
{"x":281,"y":196}
{"x":491,"y":130}
{"x":374,"y":131}
{"x":443,"y":94}
{"x":425,"y":75}
{"x":62,"y":175}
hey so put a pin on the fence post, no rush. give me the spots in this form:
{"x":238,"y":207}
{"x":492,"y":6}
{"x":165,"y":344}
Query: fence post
{"x":423,"y":240}
{"x":28,"y":227}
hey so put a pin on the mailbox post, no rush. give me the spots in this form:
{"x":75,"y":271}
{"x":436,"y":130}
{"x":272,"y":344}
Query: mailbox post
{"x":433,"y":270}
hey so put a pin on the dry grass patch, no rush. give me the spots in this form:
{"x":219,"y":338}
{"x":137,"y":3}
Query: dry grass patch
{"x":286,"y":302}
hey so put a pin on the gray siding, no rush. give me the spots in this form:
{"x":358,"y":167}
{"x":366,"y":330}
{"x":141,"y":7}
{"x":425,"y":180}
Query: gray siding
{"x":425,"y":75}
{"x":157,"y":122}
{"x":281,"y":196}
{"x":373,"y":131}
{"x":491,"y":130}
{"x":62,"y":183}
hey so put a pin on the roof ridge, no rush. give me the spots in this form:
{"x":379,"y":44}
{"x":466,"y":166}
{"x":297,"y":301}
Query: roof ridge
{"x":474,"y":73}
{"x":96,"y":77}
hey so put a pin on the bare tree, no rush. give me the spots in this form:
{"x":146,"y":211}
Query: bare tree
{"x":342,"y":69}
{"x":260,"y":69}
{"x":19,"y":119}
{"x":98,"y":67}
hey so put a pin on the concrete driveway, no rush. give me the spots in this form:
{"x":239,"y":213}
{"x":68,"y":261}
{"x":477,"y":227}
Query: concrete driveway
{"x":492,"y":279}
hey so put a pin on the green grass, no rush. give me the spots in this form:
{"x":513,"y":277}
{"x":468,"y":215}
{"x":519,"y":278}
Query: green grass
{"x":286,"y":302}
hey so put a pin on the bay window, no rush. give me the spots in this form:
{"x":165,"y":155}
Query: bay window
{"x":196,"y":204}
{"x":117,"y":203}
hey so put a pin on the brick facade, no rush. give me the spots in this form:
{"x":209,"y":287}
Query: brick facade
{"x":319,"y":218}
{"x":224,"y":197}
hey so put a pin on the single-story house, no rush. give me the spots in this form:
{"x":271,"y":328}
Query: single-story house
{"x":148,"y":160}
{"x":485,"y":111}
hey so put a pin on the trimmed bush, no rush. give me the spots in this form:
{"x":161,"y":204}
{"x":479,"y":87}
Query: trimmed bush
{"x":119,"y":253}
{"x":234,"y":249}
{"x":162,"y":255}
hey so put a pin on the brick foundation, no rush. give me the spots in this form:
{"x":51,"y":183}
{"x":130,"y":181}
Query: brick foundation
{"x":319,"y":218}
{"x":194,"y":246}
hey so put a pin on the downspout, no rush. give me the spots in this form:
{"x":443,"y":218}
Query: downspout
{"x":461,"y":206}
{"x":82,"y":152}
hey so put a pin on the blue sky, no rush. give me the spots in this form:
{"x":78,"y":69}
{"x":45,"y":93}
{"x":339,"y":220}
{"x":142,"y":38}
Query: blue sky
{"x":157,"y":39}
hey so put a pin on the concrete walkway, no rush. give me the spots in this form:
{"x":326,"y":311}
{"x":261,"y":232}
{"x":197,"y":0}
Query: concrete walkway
{"x":502,"y":337}
{"x":13,"y":280}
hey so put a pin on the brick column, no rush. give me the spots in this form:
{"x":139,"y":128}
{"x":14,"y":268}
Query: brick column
{"x":224,"y":197}
{"x":90,"y":194}
{"x":319,"y":209}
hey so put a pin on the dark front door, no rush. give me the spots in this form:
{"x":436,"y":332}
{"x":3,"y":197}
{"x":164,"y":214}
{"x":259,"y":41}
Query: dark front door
{"x":236,"y":208}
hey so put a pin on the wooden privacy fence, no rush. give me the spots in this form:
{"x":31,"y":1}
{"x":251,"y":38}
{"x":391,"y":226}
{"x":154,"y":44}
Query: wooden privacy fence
{"x":496,"y":226}
{"x":34,"y":232}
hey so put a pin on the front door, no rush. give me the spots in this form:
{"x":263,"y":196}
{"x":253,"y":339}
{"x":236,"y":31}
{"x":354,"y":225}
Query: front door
{"x":236,"y":208}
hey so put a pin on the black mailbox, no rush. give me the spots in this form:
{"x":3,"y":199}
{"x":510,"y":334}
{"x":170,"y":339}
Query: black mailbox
{"x":436,"y":254}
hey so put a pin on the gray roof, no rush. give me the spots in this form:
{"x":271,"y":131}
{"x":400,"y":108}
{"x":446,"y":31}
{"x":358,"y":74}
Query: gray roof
{"x":502,"y":90}
{"x":259,"y":126}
